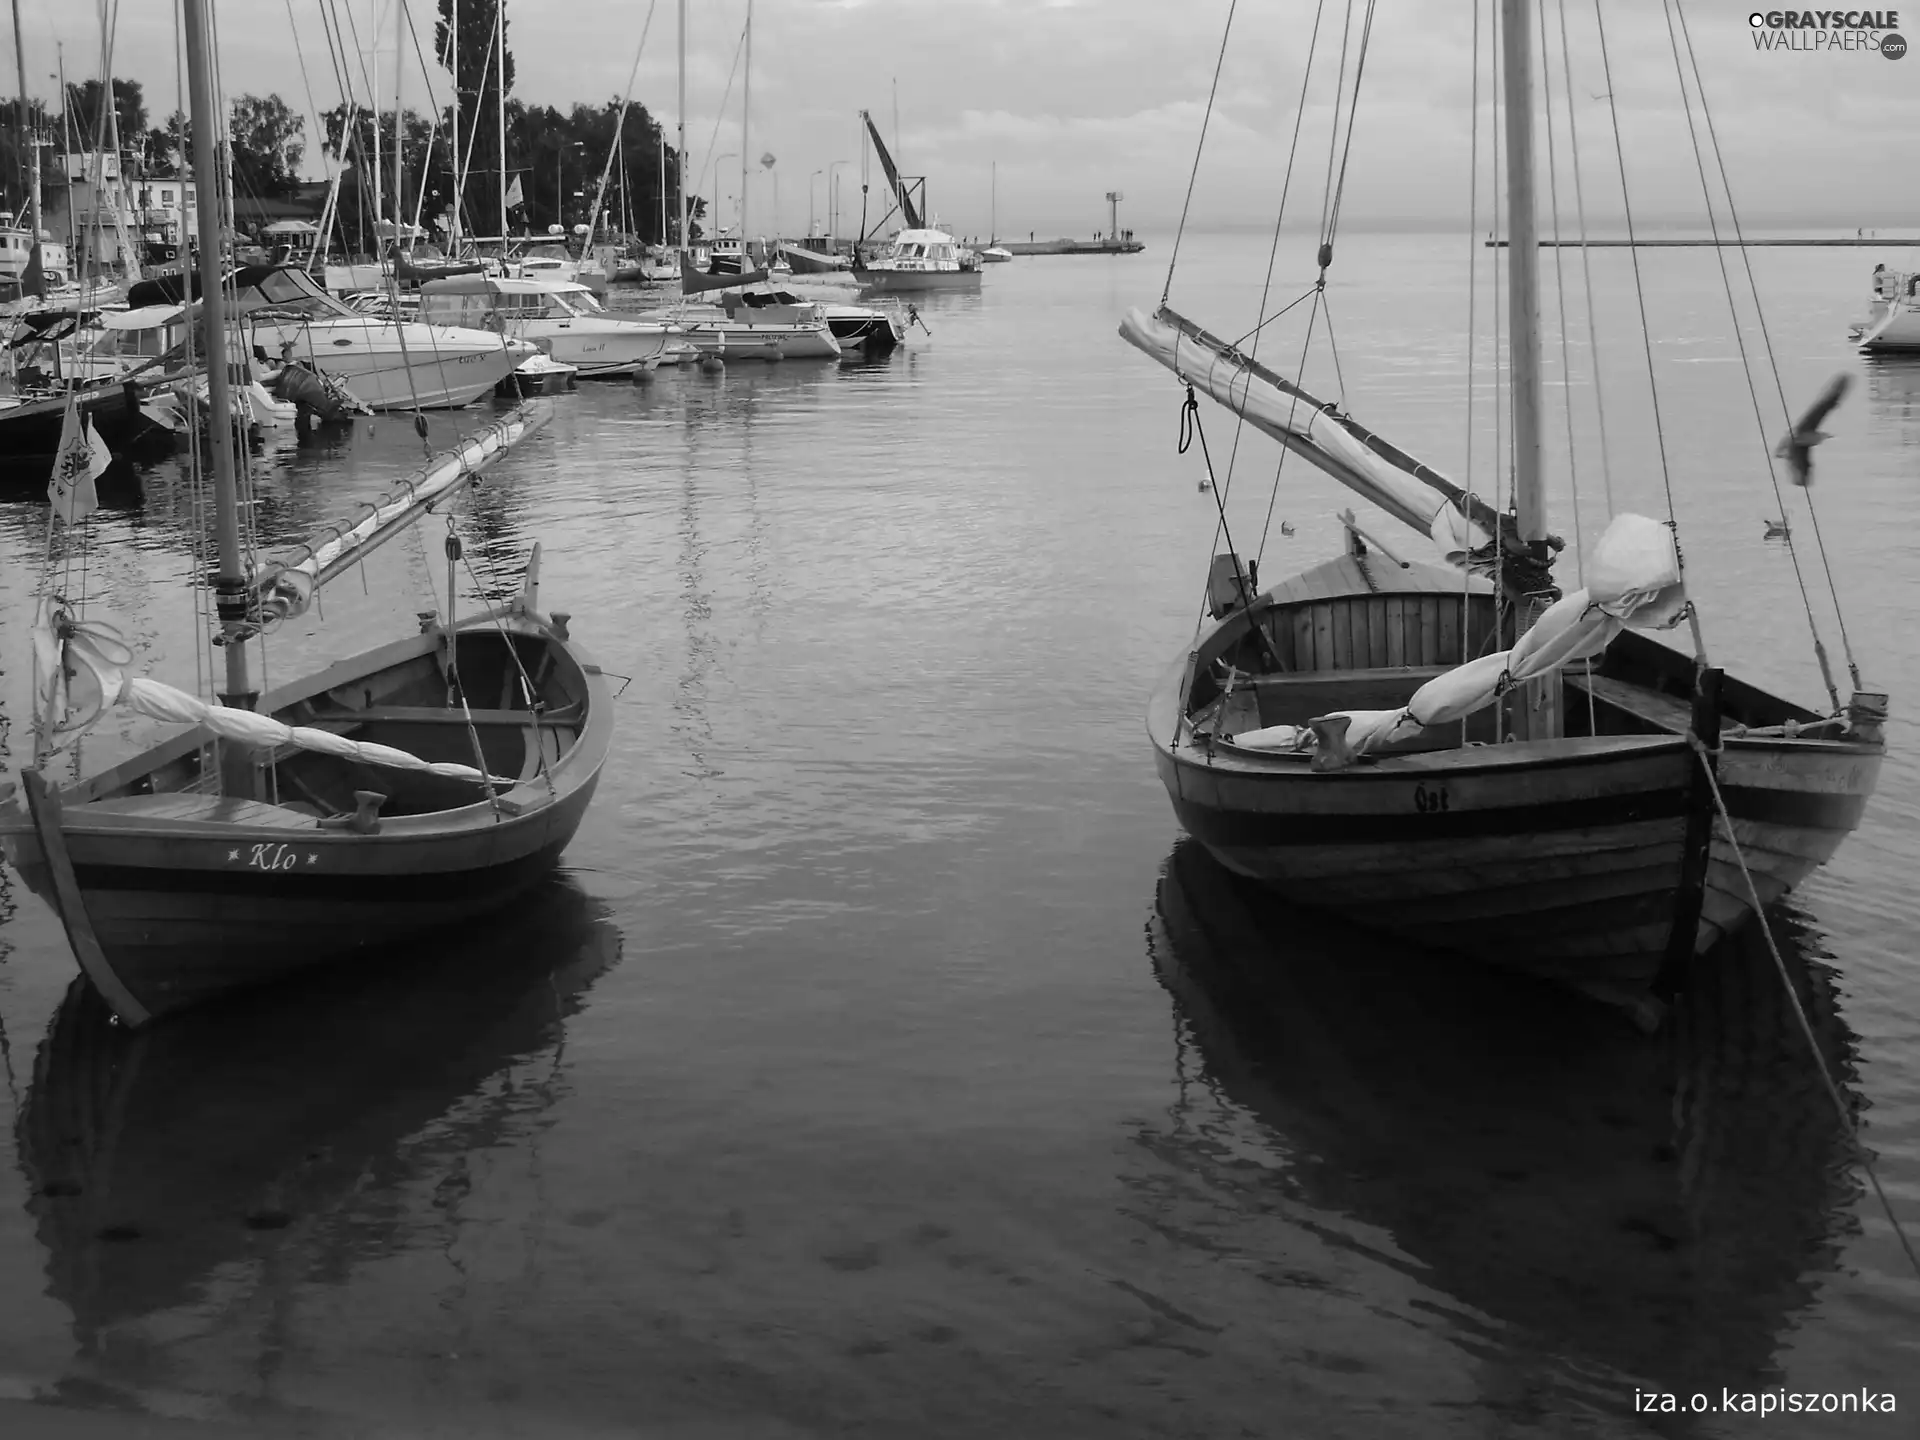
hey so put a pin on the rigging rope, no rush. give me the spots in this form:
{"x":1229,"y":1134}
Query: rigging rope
{"x":1733,"y":216}
{"x":1586,"y":262}
{"x":1173,"y":258}
{"x":1266,"y":286}
{"x":1847,"y":1119}
{"x":1473,"y":315}
{"x":1740,"y":341}
{"x":1633,"y":251}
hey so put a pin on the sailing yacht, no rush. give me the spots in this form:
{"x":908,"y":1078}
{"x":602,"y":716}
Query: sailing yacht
{"x":742,"y":323}
{"x":1462,"y":755}
{"x":432,"y":779}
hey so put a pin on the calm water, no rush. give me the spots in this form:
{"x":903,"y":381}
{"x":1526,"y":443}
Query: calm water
{"x":883,"y":1064}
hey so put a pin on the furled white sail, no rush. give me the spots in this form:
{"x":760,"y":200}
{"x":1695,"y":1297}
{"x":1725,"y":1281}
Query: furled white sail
{"x":286,"y":585}
{"x":1635,"y":581}
{"x":80,"y":670}
{"x":1250,"y":392}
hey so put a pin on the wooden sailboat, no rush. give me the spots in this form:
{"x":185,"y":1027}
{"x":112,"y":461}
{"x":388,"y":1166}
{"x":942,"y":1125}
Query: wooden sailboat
{"x":426,"y":781}
{"x":1541,"y":789}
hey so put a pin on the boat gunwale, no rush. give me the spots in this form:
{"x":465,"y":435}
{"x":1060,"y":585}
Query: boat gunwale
{"x":577,"y":767}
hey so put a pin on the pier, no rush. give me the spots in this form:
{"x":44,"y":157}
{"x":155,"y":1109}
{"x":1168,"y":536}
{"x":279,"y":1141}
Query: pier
{"x":1894,"y":241}
{"x":1072,"y":247}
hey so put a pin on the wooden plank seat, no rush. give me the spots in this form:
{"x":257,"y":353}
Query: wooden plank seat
{"x":194,"y":805}
{"x":339,"y":720}
{"x":1643,"y":703}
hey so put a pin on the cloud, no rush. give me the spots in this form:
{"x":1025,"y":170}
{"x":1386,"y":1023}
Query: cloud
{"x":1071,"y":98}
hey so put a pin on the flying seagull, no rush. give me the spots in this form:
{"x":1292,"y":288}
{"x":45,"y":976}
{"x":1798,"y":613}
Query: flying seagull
{"x":1797,"y":448}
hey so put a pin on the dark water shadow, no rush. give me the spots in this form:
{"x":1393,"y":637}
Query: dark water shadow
{"x":1606,"y":1209}
{"x":293,"y":1115}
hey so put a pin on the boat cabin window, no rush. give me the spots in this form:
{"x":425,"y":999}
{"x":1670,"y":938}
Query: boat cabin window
{"x":578,"y":302}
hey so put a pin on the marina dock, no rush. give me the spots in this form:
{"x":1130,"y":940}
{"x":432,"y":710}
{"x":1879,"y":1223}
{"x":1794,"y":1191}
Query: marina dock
{"x":1883,"y":241}
{"x":1073,"y":247}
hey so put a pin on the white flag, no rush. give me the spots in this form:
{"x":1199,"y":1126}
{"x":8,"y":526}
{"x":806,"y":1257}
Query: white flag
{"x":80,"y":460}
{"x":514,"y":195}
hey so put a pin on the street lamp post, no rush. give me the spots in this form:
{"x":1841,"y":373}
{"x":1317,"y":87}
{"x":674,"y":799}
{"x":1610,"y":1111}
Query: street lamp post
{"x":833,"y":198}
{"x":717,"y":161}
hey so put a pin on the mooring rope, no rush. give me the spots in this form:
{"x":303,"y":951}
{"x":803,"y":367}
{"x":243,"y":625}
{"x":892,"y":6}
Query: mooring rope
{"x":1847,"y":1119}
{"x":1773,"y":364}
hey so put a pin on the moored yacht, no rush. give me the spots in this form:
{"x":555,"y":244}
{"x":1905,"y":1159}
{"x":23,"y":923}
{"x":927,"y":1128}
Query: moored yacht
{"x":1893,"y":323}
{"x":920,"y":260}
{"x":761,"y":324}
{"x":562,"y":318}
{"x":384,"y":364}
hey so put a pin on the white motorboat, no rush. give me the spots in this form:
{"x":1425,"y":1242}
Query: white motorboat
{"x":995,"y":255}
{"x":920,"y":260}
{"x":385,"y":364}
{"x":765,"y":324}
{"x":539,"y":374}
{"x":1893,"y":323}
{"x":560,"y":317}
{"x":552,"y":262}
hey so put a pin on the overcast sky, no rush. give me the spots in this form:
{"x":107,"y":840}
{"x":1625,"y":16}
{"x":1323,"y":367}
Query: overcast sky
{"x":1074,"y":97}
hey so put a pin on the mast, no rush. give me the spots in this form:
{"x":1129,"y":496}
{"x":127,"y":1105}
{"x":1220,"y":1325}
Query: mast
{"x":1523,"y":270}
{"x":680,"y":160}
{"x":746,"y":93}
{"x":453,"y":135}
{"x":66,"y":149}
{"x":500,"y":111}
{"x":993,"y":203}
{"x":231,"y":585}
{"x":373,"y":105}
{"x":399,"y":78}
{"x":30,"y":151}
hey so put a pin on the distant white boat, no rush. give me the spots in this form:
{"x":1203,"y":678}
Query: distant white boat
{"x":922,"y":260}
{"x":560,"y":317}
{"x":1893,"y":322}
{"x":760,"y":324}
{"x":996,"y":255}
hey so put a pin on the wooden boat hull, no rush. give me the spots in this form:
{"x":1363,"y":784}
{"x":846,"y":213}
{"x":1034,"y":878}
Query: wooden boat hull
{"x":1564,"y":864}
{"x":171,"y":897}
{"x":30,"y":430}
{"x":917,"y":282}
{"x":1584,"y":858}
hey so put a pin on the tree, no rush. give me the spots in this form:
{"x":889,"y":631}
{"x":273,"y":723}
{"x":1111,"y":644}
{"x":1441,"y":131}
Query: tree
{"x":424,"y":167}
{"x":266,"y":145}
{"x":84,"y":113}
{"x":166,"y":151}
{"x":484,"y":79}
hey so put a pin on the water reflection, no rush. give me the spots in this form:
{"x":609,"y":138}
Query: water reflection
{"x":1893,"y":393}
{"x":287,"y":1126}
{"x":1658,"y":1208}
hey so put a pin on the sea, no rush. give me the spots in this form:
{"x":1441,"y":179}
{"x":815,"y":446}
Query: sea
{"x":883,"y":1061}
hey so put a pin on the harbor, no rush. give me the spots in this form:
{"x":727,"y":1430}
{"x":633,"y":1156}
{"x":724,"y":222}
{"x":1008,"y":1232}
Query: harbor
{"x":715,"y":885}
